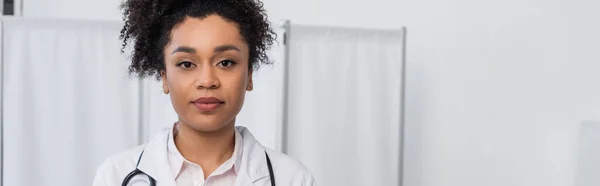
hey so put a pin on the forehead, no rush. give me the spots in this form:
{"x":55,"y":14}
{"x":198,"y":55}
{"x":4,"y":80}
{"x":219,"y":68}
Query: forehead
{"x":206,"y":33}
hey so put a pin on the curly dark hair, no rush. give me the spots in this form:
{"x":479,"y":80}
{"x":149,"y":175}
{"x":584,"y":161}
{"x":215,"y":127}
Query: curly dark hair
{"x":149,"y":22}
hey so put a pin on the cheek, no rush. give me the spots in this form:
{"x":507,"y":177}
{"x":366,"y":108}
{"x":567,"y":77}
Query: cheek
{"x":176,"y":79}
{"x":241,"y":81}
{"x":180,"y":87}
{"x":236,"y":87}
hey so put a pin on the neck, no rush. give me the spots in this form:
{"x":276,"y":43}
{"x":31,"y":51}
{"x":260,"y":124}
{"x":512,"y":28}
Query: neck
{"x":207,"y":149}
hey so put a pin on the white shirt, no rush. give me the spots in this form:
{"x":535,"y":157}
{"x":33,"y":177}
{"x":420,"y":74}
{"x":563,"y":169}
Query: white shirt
{"x":250,"y":165}
{"x":187,"y":173}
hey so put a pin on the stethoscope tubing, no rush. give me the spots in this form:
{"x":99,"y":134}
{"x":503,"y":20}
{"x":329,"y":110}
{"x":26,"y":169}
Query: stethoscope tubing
{"x":152,"y":182}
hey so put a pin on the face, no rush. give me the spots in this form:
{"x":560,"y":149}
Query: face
{"x":206,"y":72}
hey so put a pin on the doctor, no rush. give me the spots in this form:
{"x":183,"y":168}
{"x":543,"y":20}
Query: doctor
{"x":204,"y":52}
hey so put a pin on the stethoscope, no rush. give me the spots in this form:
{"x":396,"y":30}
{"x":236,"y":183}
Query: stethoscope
{"x":153,"y":182}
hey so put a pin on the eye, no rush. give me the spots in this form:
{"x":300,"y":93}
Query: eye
{"x":226,"y":63}
{"x":185,"y":64}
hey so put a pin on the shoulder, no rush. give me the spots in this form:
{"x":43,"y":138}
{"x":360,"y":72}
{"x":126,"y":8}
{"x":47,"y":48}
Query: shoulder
{"x":114,"y":169}
{"x":288,"y":168}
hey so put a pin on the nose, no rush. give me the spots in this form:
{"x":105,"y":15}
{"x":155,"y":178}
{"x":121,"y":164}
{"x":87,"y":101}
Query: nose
{"x":207,"y":79}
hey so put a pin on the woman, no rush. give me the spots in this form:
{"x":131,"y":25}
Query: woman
{"x":204,"y":52}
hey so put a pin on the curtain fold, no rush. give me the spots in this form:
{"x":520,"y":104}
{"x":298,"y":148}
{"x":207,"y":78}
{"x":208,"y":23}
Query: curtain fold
{"x":68,"y":102}
{"x":344,"y":104}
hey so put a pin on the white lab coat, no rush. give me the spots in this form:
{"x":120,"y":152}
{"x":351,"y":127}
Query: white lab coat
{"x":253,"y":169}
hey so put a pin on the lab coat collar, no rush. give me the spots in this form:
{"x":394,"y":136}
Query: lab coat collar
{"x":154,"y":162}
{"x":253,"y":165}
{"x":253,"y":162}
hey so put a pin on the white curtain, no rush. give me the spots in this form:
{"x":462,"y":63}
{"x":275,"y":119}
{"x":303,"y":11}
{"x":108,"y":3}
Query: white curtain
{"x":344,"y":104}
{"x":67,"y":100}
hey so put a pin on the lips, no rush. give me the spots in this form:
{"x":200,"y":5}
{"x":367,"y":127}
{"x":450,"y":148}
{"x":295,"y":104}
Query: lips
{"x":208,"y":103}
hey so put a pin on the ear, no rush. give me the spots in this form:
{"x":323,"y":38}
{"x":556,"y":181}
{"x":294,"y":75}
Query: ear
{"x":250,"y":85}
{"x":163,"y":77}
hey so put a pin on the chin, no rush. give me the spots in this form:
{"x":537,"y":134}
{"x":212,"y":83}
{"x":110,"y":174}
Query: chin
{"x":207,"y":123}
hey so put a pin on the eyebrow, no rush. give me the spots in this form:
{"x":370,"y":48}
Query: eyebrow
{"x":184,"y":49}
{"x":224,"y":48}
{"x":218,"y":49}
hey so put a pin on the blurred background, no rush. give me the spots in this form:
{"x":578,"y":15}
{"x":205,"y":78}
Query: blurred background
{"x":452,"y":92}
